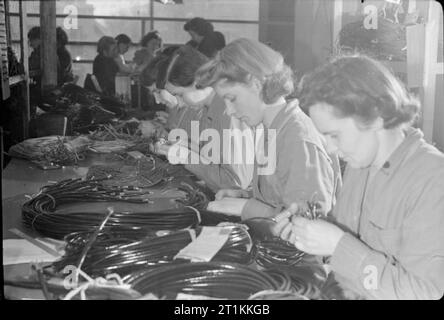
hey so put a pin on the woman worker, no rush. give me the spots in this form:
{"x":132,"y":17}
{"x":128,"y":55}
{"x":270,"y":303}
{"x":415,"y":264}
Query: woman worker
{"x":254,"y":81}
{"x":203,"y":37}
{"x":386,"y":240}
{"x":206,"y":109}
{"x":151,"y":43}
{"x":104,"y":66}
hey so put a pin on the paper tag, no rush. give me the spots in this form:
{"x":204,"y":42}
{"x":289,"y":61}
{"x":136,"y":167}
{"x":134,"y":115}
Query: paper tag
{"x":228,"y":206}
{"x":206,"y":245}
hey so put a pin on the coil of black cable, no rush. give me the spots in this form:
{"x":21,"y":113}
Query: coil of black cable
{"x":211,"y":279}
{"x":126,"y":252}
{"x":40,"y":212}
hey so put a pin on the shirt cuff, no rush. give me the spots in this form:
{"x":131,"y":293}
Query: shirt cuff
{"x":255,"y":208}
{"x":348,"y":257}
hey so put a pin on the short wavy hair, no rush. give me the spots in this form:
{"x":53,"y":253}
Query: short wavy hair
{"x":243,"y":59}
{"x":199,"y":25}
{"x":362,"y":88}
{"x":150,"y":36}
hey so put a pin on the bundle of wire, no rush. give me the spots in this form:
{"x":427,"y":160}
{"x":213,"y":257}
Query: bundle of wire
{"x":274,"y":252}
{"x":211,"y":279}
{"x":127,"y":252}
{"x":146,"y":172}
{"x":40,"y":212}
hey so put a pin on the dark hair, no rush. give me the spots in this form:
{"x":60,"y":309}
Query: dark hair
{"x":148,"y":37}
{"x":360,"y":87}
{"x":245,"y":58}
{"x":183,"y":65}
{"x":219,"y":40}
{"x":150,"y":74}
{"x":156,"y":70}
{"x":123,"y":38}
{"x":105,"y":43}
{"x":211,"y":44}
{"x":62,"y":37}
{"x":199,"y":25}
{"x":34,"y":33}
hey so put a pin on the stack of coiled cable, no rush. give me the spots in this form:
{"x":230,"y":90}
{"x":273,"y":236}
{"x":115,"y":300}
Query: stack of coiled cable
{"x":125,"y":252}
{"x":211,"y":279}
{"x":40,"y":213}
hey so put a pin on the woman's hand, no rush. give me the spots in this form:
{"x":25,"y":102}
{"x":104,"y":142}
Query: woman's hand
{"x":228,"y":206}
{"x":231,"y":193}
{"x":162,"y":117}
{"x":317,"y":237}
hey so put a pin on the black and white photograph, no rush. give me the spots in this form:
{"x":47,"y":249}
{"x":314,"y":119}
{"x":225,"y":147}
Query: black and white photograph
{"x":220,"y":155}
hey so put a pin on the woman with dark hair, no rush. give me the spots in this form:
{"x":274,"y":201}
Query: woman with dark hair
{"x":254,"y":82}
{"x":104,"y":66}
{"x":123,"y":43}
{"x":203,"y":37}
{"x":201,"y":107}
{"x":65,"y":61}
{"x":34,"y":58}
{"x":151,"y":43}
{"x":386,"y":239}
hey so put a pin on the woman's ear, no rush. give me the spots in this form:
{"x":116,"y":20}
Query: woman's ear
{"x":255,"y":84}
{"x":377,"y":125}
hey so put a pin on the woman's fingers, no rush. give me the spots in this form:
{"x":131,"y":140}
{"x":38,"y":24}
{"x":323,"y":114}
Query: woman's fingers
{"x":221,"y":194}
{"x":286,"y":231}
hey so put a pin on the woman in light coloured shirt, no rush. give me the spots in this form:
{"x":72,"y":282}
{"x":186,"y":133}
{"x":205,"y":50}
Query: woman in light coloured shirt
{"x":386,"y":240}
{"x":203,"y":105}
{"x":254,"y":82}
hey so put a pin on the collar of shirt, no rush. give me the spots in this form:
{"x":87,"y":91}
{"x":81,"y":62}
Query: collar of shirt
{"x":412,"y":141}
{"x":282,"y":115}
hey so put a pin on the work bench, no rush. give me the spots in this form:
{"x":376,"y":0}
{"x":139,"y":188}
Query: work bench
{"x":22,"y":179}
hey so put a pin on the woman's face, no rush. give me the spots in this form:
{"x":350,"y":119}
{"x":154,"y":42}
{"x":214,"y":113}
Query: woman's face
{"x":112,"y":51}
{"x":348,"y":138}
{"x":34,"y":43}
{"x":242,"y":101}
{"x":188,"y":96}
{"x":123,"y":48}
{"x":154,"y":45}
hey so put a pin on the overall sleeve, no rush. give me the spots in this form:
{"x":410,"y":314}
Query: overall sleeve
{"x":302,"y":171}
{"x":417,"y":273}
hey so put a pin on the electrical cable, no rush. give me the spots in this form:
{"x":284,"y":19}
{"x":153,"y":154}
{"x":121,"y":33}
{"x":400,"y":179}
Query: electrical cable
{"x":127,"y":252}
{"x":273,"y":252}
{"x":40,"y":213}
{"x":212,"y":279}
